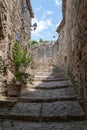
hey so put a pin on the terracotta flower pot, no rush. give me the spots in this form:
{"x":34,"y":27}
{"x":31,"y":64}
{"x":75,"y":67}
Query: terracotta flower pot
{"x":13,"y":89}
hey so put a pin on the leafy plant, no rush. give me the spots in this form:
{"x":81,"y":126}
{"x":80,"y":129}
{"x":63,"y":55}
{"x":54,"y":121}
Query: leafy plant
{"x":21,"y":59}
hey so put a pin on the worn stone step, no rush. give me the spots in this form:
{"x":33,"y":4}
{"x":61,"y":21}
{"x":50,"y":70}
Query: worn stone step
{"x":43,"y":70}
{"x":7,"y":101}
{"x":57,"y":111}
{"x":42,"y":73}
{"x":23,"y":99}
{"x":20,"y":125}
{"x":50,"y":85}
{"x":48,"y":78}
{"x":41,"y":95}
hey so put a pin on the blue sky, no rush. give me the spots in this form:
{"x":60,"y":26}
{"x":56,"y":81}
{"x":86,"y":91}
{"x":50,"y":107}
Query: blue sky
{"x":48,"y":15}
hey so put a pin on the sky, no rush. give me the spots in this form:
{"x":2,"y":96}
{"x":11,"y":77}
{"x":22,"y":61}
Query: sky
{"x":47,"y":15}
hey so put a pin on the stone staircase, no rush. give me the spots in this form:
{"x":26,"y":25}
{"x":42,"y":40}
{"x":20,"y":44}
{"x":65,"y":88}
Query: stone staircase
{"x":48,"y":104}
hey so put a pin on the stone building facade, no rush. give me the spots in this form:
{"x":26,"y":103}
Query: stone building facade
{"x":15,"y":24}
{"x":75,"y":22}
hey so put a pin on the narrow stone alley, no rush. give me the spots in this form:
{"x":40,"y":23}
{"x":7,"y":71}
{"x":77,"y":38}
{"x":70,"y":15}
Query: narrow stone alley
{"x":48,"y":104}
{"x":56,"y":98}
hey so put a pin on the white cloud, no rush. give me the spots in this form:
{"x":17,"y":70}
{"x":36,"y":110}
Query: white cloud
{"x":58,"y":2}
{"x":41,"y":25}
{"x":49,"y":12}
{"x":46,"y":13}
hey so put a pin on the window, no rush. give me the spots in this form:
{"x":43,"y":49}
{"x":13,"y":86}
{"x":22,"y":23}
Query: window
{"x":17,"y":37}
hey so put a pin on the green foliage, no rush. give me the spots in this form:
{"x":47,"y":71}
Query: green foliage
{"x":41,"y":40}
{"x":33,"y":42}
{"x":20,"y":56}
{"x":21,"y":77}
{"x":21,"y":59}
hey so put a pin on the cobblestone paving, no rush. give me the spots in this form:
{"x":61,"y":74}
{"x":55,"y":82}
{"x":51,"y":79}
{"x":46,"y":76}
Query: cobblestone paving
{"x":17,"y":125}
{"x":44,"y":106}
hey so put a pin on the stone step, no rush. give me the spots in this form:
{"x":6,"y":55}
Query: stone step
{"x":23,"y":99}
{"x":7,"y":101}
{"x":40,"y":112}
{"x":48,"y":78}
{"x":20,"y":125}
{"x":41,"y":70}
{"x":43,"y":73}
{"x":49,"y":85}
{"x":41,"y":95}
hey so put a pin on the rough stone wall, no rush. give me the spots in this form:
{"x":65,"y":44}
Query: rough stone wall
{"x":76,"y":39}
{"x":14,"y":26}
{"x":62,"y":55}
{"x":25,"y":34}
{"x":45,"y":56}
{"x":10,"y":25}
{"x":15,"y":21}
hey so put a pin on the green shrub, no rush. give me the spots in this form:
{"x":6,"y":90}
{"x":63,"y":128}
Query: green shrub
{"x":41,"y":40}
{"x":21,"y":59}
{"x":33,"y":42}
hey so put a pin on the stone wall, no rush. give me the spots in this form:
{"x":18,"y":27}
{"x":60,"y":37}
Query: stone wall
{"x":76,"y":26}
{"x":75,"y":17}
{"x":15,"y":22}
{"x":45,"y":56}
{"x":62,"y":55}
{"x":26,"y":15}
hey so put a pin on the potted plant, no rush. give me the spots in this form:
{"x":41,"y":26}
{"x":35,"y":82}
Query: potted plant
{"x":21,"y":59}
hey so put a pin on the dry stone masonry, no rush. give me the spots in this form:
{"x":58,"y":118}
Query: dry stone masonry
{"x":15,"y":24}
{"x":74,"y":24}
